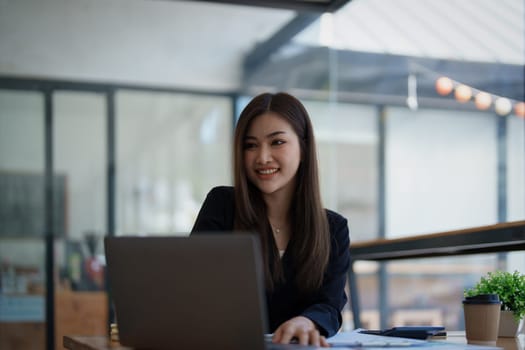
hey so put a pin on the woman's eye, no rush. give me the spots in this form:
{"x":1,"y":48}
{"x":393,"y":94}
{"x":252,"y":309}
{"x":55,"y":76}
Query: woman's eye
{"x":249,"y":145}
{"x":278,"y":142}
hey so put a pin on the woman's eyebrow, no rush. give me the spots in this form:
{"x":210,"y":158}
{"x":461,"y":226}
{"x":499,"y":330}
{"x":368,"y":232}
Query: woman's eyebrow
{"x":275,"y":133}
{"x":270,"y":135}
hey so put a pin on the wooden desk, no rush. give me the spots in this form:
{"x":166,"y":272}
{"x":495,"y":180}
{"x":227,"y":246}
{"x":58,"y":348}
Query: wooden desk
{"x":103,"y":342}
{"x":517,"y":343}
{"x":503,"y":237}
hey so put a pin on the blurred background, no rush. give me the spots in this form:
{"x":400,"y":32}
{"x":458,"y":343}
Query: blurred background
{"x":116,"y":117}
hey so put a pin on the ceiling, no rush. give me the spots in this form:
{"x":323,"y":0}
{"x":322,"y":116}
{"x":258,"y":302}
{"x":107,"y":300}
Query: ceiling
{"x":215,"y":45}
{"x":376,"y":45}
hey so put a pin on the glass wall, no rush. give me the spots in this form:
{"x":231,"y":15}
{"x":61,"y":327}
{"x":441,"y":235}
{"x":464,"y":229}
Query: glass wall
{"x":22,"y":220}
{"x":515,"y":183}
{"x":443,"y":158}
{"x":80,"y":154}
{"x":347,"y":144}
{"x":441,"y":171}
{"x":515,"y":169}
{"x":79,"y":144}
{"x":171,"y":150}
{"x":441,"y":175}
{"x":420,"y":291}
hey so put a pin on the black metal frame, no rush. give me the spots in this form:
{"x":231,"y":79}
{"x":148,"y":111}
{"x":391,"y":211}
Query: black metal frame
{"x":49,"y":222}
{"x":297,"y":5}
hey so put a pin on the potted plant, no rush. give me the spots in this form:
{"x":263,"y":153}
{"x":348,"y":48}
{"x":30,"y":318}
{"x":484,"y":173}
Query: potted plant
{"x":510,"y":287}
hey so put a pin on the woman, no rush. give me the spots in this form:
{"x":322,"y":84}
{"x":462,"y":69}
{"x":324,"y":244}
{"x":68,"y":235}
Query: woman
{"x":276,"y":194}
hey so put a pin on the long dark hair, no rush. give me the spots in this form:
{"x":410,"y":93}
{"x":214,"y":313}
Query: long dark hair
{"x":310,"y":238}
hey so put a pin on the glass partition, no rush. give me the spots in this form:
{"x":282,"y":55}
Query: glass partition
{"x":441,"y":170}
{"x":22,"y":248}
{"x":171,"y":150}
{"x":515,"y":161}
{"x":347,"y":142}
{"x":428,"y":156}
{"x":421,"y":291}
{"x":81,"y":302}
{"x":515,"y":183}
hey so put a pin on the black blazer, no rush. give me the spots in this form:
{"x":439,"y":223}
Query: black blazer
{"x":286,"y":301}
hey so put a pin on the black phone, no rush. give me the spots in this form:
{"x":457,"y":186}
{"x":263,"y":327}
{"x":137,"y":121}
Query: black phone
{"x":413,"y":332}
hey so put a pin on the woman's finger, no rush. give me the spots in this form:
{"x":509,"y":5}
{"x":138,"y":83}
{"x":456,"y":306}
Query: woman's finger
{"x":315,"y":338}
{"x":302,"y":337}
{"x":324,"y":342}
{"x":287,"y":334}
{"x":277,"y":335}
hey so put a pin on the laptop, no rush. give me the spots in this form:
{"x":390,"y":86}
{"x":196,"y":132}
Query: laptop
{"x":203,"y":291}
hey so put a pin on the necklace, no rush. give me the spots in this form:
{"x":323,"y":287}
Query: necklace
{"x":276,"y":230}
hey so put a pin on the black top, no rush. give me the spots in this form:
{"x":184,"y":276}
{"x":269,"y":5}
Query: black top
{"x":286,"y":301}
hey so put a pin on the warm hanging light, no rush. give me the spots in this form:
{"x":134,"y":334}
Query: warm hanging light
{"x":503,"y":106}
{"x":519,"y":109}
{"x":444,"y":86}
{"x":483,"y":100}
{"x":463,"y":93}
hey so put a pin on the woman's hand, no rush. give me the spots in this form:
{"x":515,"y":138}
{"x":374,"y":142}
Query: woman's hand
{"x":300,"y":328}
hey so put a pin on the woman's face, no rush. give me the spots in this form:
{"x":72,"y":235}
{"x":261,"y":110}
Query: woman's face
{"x":272,"y":154}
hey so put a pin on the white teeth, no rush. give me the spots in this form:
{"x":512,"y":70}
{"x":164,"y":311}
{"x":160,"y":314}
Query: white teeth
{"x":267,"y":171}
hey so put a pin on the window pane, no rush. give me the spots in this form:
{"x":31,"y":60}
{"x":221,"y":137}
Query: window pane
{"x":347,"y":147}
{"x":22,"y":251}
{"x":81,"y":305}
{"x":80,"y":156}
{"x":516,"y":183}
{"x":171,"y":149}
{"x":439,"y":283}
{"x":515,"y":169}
{"x":441,"y":170}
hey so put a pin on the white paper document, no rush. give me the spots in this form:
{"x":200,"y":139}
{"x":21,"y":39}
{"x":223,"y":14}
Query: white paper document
{"x":355,"y":339}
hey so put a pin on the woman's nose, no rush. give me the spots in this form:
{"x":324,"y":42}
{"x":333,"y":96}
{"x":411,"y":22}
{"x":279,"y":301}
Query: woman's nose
{"x":265,"y":155}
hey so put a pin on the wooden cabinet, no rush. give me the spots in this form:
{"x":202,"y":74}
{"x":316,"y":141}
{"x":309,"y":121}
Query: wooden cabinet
{"x":76,"y":313}
{"x":22,"y":335}
{"x":80,"y":313}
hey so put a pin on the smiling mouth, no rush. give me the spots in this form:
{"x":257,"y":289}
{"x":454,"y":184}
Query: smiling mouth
{"x":267,"y":171}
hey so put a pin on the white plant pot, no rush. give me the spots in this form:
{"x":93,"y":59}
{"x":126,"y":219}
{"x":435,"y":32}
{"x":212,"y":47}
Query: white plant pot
{"x":508,"y":326}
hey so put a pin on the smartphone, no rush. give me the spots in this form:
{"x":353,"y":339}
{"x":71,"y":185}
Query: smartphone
{"x":413,"y":332}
